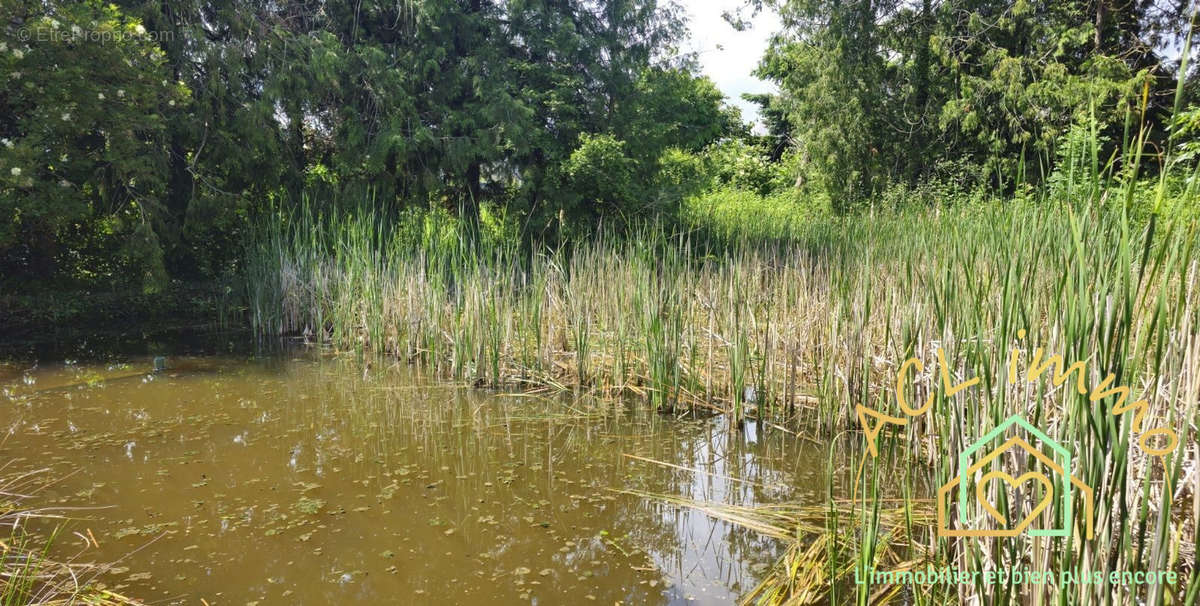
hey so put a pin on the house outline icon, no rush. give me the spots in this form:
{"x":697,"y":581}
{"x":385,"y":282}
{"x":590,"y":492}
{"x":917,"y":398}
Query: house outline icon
{"x":1062,"y":468}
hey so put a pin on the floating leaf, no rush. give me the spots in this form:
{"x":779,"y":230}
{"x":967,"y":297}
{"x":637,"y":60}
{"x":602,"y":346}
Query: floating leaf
{"x":309,"y":506}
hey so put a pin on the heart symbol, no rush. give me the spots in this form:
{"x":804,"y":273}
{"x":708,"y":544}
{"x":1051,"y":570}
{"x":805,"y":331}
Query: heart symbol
{"x":1013,"y":484}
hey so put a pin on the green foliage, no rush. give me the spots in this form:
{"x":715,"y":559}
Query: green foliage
{"x":194,"y":117}
{"x":497,"y":227}
{"x":416,"y":229}
{"x":951,"y":184}
{"x":741,"y":165}
{"x":738,"y":215}
{"x":1184,"y":168}
{"x":141,"y":139}
{"x":876,"y":95}
{"x":1022,"y":83}
{"x":599,"y":174}
{"x":144,"y":255}
{"x":78,"y":147}
{"x":1185,"y":133}
{"x":832,"y":82}
{"x":680,"y":174}
{"x":673,"y":108}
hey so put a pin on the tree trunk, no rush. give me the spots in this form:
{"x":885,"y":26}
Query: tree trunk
{"x":42,"y":243}
{"x":474,"y":192}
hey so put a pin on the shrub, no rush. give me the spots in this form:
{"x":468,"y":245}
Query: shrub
{"x":680,"y":174}
{"x":599,"y":174}
{"x":739,"y":165}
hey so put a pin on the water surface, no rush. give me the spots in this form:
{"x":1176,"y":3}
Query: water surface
{"x":300,"y":478}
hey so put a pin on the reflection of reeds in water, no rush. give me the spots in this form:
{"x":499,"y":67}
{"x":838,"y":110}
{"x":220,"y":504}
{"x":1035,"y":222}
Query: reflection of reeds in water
{"x":818,"y":562}
{"x":513,"y":451}
{"x":28,"y":575}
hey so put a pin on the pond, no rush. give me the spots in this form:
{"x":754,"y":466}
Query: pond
{"x":299,"y":477}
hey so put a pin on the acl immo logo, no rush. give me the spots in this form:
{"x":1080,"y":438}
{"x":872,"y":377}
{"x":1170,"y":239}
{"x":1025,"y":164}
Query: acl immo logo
{"x":1055,"y":481}
{"x":1026,"y":471}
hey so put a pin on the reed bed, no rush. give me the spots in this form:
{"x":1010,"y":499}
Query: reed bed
{"x":808,"y":323}
{"x":803,"y":332}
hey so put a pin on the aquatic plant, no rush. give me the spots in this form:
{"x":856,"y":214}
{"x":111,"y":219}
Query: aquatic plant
{"x":28,"y":574}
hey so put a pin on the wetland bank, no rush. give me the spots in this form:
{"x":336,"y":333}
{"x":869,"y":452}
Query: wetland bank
{"x":634,"y":421}
{"x":514,"y":305}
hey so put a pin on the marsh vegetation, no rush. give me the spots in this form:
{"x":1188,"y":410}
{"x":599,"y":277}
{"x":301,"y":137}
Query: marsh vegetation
{"x":799,"y":330}
{"x":521,"y":309}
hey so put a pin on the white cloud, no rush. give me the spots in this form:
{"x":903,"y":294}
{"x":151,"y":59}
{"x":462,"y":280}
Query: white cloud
{"x":727,"y":55}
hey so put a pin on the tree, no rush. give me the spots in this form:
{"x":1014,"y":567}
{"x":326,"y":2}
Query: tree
{"x":829,"y":67}
{"x":229,"y":107}
{"x":671,"y":107}
{"x":879,"y":92}
{"x":82,"y":152}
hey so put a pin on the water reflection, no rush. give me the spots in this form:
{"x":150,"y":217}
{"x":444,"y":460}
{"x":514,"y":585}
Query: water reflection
{"x":295,"y":479}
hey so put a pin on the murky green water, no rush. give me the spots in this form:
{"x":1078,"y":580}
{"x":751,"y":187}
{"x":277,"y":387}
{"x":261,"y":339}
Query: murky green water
{"x":297,"y":479}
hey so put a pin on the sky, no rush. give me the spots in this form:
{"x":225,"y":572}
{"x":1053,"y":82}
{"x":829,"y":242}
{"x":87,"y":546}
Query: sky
{"x":726,"y":55}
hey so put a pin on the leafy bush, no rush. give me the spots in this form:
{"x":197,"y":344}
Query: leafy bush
{"x":599,"y":177}
{"x":680,"y":174}
{"x":952,"y":182}
{"x":1185,"y":134}
{"x":739,"y":165}
{"x":76,"y":148}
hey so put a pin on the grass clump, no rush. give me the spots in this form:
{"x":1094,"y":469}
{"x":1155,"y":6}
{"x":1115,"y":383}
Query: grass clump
{"x":28,"y":573}
{"x":737,"y":215}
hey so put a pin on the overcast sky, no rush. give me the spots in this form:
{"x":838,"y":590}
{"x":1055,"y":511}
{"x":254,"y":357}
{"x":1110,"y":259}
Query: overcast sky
{"x":727,"y":55}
